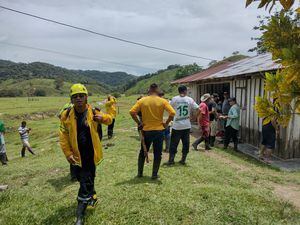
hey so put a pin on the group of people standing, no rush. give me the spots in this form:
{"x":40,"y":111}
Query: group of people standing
{"x":179,"y":108}
{"x":80,"y":132}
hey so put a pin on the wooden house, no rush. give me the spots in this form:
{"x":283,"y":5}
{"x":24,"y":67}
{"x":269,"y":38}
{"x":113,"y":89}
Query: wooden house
{"x":244,"y":80}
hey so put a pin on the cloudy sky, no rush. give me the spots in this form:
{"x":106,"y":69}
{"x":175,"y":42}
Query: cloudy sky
{"x":208,"y":28}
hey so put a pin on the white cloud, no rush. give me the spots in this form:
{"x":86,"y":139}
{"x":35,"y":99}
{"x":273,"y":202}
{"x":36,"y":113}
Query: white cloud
{"x":207,"y":28}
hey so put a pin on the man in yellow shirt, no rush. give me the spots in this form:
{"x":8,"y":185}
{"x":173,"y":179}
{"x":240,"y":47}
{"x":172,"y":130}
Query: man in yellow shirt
{"x":81,"y":144}
{"x":111,"y":109}
{"x":152,"y":108}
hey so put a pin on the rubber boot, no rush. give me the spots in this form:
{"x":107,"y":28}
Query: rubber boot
{"x":156,"y":165}
{"x":171,"y":160}
{"x":212,"y":141}
{"x":81,"y":207}
{"x":197,"y":142}
{"x":3,"y":159}
{"x":207,"y":144}
{"x":141,"y":161}
{"x":235,"y":148}
{"x":182,"y":161}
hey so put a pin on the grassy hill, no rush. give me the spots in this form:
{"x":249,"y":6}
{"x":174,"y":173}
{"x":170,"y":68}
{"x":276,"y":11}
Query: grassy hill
{"x":163,"y":79}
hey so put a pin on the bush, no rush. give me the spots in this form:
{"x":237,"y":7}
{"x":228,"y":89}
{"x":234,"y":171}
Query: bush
{"x":39,"y":92}
{"x":116,"y":94}
{"x":11,"y":93}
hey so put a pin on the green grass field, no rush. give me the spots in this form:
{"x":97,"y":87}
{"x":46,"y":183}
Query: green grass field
{"x":217,"y":187}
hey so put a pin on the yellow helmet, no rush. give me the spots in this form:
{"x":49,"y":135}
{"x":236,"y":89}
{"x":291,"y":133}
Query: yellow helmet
{"x":78,"y":89}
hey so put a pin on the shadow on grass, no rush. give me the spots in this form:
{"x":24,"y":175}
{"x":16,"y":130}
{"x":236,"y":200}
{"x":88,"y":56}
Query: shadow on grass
{"x":63,"y":215}
{"x":60,"y":183}
{"x":177,"y":164}
{"x":135,"y":137}
{"x":139,"y":180}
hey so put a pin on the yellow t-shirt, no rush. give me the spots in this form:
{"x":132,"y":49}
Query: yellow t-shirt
{"x":152,"y":108}
{"x":111,"y":107}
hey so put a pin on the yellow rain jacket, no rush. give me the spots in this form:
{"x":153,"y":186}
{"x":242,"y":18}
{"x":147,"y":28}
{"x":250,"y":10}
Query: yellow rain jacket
{"x":111,"y":107}
{"x":68,"y":133}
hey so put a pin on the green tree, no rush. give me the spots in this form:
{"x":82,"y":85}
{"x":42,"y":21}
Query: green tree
{"x":281,"y":37}
{"x":58,"y":82}
{"x":286,"y":4}
{"x":187,"y":70}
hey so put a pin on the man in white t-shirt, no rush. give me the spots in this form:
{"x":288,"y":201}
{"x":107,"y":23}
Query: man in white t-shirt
{"x":24,"y":134}
{"x":181,"y":124}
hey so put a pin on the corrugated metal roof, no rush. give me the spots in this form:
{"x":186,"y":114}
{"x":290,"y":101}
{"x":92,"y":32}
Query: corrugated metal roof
{"x":256,"y":64}
{"x":203,"y":74}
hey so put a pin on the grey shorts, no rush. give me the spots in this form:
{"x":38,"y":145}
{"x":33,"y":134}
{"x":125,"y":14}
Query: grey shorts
{"x":25,"y":143}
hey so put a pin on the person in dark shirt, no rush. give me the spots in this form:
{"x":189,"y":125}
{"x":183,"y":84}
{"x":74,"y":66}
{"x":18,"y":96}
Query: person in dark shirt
{"x":269,"y":130}
{"x":212,"y":108}
{"x":80,"y":141}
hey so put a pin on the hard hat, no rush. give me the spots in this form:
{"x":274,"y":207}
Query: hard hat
{"x":78,"y":89}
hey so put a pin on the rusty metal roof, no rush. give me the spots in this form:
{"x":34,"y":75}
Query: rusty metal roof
{"x":256,"y":64}
{"x":203,"y":74}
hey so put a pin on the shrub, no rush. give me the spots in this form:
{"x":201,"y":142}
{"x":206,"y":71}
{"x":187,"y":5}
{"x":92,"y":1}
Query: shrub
{"x":39,"y":92}
{"x":116,"y":94}
{"x":11,"y":93}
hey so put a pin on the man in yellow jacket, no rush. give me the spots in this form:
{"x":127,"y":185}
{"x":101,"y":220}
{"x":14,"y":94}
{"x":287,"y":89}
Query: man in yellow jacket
{"x":80,"y":142}
{"x":110,"y":105}
{"x":152,"y":109}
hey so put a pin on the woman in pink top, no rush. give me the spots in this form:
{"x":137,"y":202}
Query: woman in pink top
{"x":203,"y":122}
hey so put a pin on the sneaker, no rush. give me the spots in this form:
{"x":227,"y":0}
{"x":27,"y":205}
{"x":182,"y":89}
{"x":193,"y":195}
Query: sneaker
{"x":92,"y":203}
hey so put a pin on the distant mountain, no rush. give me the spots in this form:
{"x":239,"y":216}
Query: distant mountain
{"x":12,"y":70}
{"x":109,"y":78}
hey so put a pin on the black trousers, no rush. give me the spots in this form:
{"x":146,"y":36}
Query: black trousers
{"x":176,"y":136}
{"x":86,"y":178}
{"x":231,"y":133}
{"x":156,"y":138}
{"x":110,"y":129}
